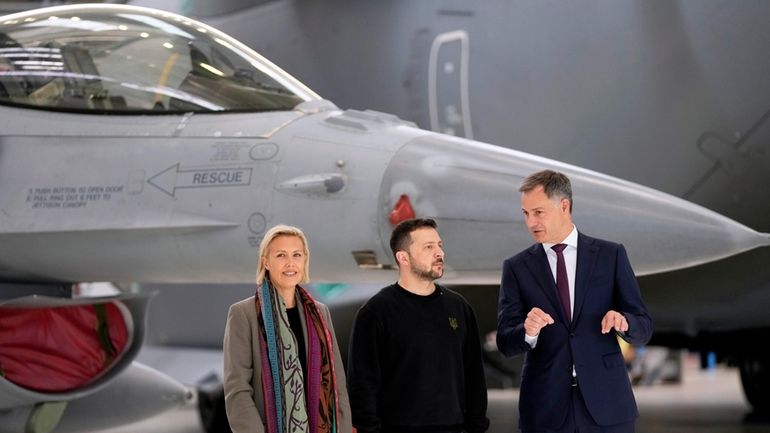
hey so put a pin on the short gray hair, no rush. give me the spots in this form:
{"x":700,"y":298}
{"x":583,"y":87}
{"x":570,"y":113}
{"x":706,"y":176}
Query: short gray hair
{"x":554,"y":183}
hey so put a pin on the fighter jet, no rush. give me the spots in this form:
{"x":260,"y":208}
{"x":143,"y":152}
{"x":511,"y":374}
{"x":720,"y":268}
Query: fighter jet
{"x":670,"y":95}
{"x":141,"y":146}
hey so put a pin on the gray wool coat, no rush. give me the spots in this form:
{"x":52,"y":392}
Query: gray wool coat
{"x":243,"y":369}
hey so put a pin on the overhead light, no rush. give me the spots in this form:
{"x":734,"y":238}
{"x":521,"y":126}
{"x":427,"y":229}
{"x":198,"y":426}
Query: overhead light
{"x":212,"y":69}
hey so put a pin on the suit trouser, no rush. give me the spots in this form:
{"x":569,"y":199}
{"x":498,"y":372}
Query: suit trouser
{"x":579,"y":420}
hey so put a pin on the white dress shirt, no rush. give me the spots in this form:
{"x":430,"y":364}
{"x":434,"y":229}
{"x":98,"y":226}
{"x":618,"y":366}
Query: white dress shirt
{"x":570,"y":261}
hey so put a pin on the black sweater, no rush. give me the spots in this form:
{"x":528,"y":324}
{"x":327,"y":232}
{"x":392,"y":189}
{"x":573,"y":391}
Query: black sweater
{"x":415,"y":364}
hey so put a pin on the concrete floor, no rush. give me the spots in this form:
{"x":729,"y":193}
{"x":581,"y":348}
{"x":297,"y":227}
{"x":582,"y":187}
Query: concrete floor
{"x":710,"y":401}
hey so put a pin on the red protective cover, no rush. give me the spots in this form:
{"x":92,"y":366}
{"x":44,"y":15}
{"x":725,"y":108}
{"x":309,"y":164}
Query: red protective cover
{"x":402,"y":210}
{"x":56,"y":349}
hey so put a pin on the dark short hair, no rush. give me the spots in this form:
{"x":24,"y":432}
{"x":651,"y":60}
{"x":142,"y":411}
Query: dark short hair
{"x":554,"y":183}
{"x":400,"y":239}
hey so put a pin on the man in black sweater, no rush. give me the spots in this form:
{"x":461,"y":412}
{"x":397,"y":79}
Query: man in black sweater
{"x":414,"y":362}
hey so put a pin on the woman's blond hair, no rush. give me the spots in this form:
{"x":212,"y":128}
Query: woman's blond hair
{"x":281,"y":230}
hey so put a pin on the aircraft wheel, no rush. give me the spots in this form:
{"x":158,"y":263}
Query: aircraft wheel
{"x":211,"y":407}
{"x":755,"y":377}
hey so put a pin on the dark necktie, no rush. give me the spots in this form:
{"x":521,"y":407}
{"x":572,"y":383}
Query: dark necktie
{"x":562,"y":283}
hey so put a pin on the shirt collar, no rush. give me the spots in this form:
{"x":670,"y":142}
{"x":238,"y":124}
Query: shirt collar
{"x":571,"y":240}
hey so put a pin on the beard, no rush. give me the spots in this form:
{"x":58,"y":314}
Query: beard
{"x":428,"y":273}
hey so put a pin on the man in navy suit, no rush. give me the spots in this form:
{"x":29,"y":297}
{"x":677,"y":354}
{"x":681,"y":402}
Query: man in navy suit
{"x":562,"y":301}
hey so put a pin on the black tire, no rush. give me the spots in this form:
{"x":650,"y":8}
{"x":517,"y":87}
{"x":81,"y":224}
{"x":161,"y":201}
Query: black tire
{"x":755,"y":377}
{"x":211,"y":408}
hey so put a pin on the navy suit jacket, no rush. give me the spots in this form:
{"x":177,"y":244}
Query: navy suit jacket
{"x":604,"y":281}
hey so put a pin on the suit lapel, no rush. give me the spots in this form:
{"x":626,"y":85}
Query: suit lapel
{"x":537,"y":262}
{"x":587,"y":254}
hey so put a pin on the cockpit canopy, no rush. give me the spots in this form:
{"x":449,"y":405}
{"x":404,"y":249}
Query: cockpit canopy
{"x":118,"y":59}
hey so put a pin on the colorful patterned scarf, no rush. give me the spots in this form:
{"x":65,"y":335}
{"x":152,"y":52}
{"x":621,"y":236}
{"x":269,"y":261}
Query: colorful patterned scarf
{"x":289,"y":397}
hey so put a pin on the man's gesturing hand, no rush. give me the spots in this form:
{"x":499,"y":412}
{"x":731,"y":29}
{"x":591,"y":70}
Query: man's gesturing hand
{"x":613,"y":319}
{"x":536,"y":320}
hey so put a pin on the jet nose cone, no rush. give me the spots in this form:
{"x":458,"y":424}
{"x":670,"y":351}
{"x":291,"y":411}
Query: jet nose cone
{"x":661,"y":232}
{"x":471,"y":189}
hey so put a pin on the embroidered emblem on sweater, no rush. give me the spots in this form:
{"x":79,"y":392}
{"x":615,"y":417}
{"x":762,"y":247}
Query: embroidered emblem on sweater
{"x":453,"y":323}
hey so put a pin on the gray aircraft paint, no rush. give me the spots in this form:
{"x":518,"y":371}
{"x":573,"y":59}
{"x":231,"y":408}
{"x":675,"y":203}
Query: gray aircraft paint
{"x":143,"y":217}
{"x":669,"y":95}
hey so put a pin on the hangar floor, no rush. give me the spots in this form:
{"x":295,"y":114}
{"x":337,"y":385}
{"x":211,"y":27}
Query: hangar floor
{"x":707,"y":401}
